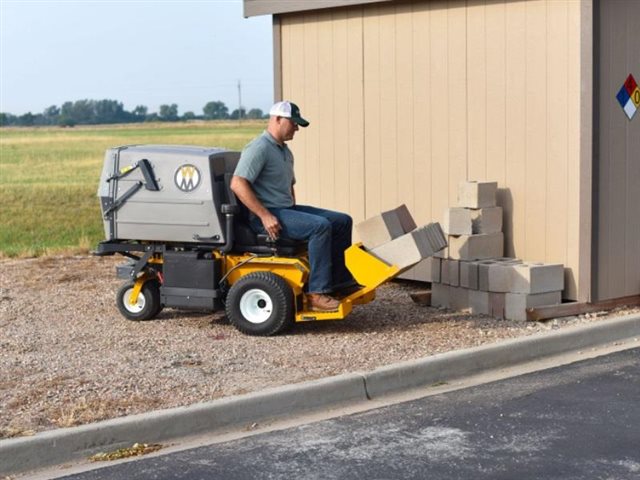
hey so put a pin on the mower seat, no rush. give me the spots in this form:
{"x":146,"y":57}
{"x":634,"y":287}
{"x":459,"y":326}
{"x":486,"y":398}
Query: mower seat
{"x":248,"y":241}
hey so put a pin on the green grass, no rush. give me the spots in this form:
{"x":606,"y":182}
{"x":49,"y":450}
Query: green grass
{"x":49,"y":178}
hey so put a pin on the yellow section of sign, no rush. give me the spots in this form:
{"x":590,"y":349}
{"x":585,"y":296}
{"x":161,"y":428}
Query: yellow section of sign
{"x":635,"y":96}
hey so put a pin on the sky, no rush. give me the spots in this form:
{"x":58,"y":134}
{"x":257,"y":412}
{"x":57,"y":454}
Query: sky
{"x":138,"y":52}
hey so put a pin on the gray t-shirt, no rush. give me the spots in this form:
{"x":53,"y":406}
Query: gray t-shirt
{"x":268,"y":166}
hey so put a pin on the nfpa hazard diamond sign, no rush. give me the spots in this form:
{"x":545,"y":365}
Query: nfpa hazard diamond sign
{"x":629,"y":97}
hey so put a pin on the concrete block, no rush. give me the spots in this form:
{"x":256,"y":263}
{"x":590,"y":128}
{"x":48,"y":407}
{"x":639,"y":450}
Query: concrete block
{"x":402,"y":252}
{"x":486,"y":220}
{"x":410,"y":248}
{"x":444,"y":271}
{"x":426,"y":270}
{"x":477,"y":194}
{"x":476,"y":247}
{"x":454,"y":272}
{"x":496,"y":304}
{"x":479,"y":302}
{"x":537,"y":278}
{"x":516,"y":304}
{"x":439,"y":295}
{"x":430,"y":238}
{"x":444,"y":253}
{"x":469,"y":275}
{"x":483,"y":274}
{"x":387,"y":226}
{"x":499,"y":276}
{"x":458,"y":298}
{"x":458,"y":221}
{"x":467,"y":221}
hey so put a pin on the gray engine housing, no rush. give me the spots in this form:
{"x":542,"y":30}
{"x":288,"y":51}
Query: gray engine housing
{"x":186,"y":205}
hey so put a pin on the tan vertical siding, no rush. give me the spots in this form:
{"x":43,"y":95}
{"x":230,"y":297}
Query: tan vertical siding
{"x":437,"y":92}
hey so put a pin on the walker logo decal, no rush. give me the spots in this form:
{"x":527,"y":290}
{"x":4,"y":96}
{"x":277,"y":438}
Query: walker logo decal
{"x":629,"y":97}
{"x":187,"y":178}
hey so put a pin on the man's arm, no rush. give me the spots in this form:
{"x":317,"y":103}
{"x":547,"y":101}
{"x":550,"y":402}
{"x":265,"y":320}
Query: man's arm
{"x":242,"y":189}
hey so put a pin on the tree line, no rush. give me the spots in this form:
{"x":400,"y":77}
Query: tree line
{"x":94,"y":112}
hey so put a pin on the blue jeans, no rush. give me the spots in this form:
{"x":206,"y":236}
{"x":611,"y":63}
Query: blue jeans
{"x":328,"y":234}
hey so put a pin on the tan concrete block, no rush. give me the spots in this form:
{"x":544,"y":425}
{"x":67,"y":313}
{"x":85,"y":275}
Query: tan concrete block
{"x":479,"y":302}
{"x":386,"y":226}
{"x":516,"y":304}
{"x":486,"y":220}
{"x":458,"y":221}
{"x":440,"y":295}
{"x":537,"y":278}
{"x":454,"y":272}
{"x":477,"y":194}
{"x":458,"y":298}
{"x":469,"y":274}
{"x":476,"y":247}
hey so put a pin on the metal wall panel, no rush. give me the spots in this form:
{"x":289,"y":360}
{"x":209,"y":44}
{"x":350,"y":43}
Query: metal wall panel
{"x":439,"y":92}
{"x":617,"y":182}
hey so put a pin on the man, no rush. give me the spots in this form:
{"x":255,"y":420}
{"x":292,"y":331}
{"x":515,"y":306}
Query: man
{"x":263,"y":181}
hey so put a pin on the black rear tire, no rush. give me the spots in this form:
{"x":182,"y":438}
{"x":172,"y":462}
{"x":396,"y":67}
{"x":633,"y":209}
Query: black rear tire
{"x":260,"y":303}
{"x":148,"y":305}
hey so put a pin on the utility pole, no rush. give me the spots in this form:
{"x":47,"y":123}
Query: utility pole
{"x":239,"y":100}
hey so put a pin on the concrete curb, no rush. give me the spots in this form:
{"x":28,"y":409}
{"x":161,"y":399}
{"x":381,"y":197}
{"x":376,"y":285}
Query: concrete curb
{"x":64,"y":445}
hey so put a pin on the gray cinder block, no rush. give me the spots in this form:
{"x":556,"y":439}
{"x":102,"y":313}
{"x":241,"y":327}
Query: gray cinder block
{"x":426,"y":270}
{"x":469,"y":274}
{"x":477,"y":194}
{"x":516,"y":304}
{"x":537,"y":278}
{"x":458,"y":298}
{"x":496,"y":304}
{"x":444,"y":271}
{"x":440,"y":295}
{"x":387,"y":226}
{"x":479,"y":302}
{"x":486,"y":220}
{"x":454,"y":272}
{"x":407,"y":250}
{"x":467,"y":221}
{"x":476,"y":247}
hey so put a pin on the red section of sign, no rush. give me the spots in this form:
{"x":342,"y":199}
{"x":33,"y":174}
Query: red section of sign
{"x":630,"y":84}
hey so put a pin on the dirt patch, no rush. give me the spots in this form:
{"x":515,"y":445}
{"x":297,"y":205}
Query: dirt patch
{"x":67,"y":357}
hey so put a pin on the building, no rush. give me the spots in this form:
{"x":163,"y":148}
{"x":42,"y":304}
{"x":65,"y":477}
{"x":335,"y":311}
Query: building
{"x":408,"y":98}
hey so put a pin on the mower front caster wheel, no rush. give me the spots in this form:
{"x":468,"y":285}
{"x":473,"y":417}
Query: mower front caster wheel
{"x":260,"y":303}
{"x":147,"y":306}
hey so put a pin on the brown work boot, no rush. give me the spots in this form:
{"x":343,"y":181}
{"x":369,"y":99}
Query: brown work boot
{"x":319,"y":302}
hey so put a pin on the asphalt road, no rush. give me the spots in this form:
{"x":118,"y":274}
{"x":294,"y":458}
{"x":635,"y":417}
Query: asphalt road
{"x":580,"y":421}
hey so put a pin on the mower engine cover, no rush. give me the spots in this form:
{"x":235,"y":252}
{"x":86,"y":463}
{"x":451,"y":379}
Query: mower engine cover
{"x":165,"y":193}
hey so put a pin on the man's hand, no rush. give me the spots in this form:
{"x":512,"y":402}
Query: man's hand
{"x":271,"y":225}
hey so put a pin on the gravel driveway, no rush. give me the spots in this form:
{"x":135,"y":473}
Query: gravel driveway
{"x":67,"y":357}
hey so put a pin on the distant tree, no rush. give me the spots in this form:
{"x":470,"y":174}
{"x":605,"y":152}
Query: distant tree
{"x":26,"y":120}
{"x":254,"y":113}
{"x":139,"y":113}
{"x":168,"y":113}
{"x":108,"y":111}
{"x":238,"y":113}
{"x":215,"y":111}
{"x":189,"y":116}
{"x":6,"y":119}
{"x":51,"y":115}
{"x":152,"y":117}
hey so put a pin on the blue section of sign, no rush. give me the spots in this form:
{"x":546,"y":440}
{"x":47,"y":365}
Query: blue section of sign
{"x":623,"y":96}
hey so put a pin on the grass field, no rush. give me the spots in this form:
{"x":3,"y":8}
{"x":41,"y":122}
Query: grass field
{"x":49,"y":178}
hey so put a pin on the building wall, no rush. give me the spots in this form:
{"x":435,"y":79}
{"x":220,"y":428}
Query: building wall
{"x":617,"y":193}
{"x":406,"y":99}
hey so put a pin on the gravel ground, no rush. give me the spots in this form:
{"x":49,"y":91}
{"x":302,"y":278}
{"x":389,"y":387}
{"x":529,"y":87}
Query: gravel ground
{"x":67,"y":357}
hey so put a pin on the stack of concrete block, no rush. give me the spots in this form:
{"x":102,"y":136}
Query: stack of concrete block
{"x":394,"y":237}
{"x":474,"y":275}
